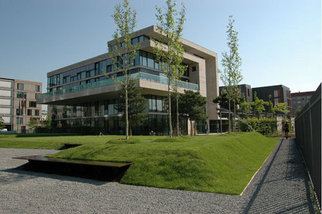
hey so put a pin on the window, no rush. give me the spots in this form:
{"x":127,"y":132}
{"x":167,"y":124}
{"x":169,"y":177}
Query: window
{"x":20,"y":86}
{"x":19,"y":111}
{"x":19,"y":94}
{"x":37,"y":88}
{"x":29,"y":112}
{"x":37,"y":112}
{"x":194,"y":68}
{"x":19,"y":120}
{"x":32,"y":104}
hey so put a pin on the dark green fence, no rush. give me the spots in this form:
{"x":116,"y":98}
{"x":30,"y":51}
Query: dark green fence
{"x":308,"y":137}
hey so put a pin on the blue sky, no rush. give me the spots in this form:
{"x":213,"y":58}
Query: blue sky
{"x":280,"y":40}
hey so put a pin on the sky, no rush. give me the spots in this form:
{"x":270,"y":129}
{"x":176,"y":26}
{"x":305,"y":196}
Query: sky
{"x":279,"y":40}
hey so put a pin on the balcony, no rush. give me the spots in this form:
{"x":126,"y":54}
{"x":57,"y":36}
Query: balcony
{"x":105,"y":86}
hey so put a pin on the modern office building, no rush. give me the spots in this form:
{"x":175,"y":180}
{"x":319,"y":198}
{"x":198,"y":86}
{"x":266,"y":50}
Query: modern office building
{"x":278,"y":94}
{"x":82,"y":94}
{"x":300,"y":99}
{"x":18,"y":103}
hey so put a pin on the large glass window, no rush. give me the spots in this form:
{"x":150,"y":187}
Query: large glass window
{"x":37,"y":88}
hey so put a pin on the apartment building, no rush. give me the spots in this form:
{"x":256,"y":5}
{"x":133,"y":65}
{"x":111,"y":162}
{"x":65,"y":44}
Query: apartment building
{"x":278,"y":94}
{"x":244,"y":91}
{"x":300,"y":99}
{"x":82,"y":93}
{"x":18,"y":103}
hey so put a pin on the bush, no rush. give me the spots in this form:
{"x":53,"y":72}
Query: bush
{"x":263,"y":125}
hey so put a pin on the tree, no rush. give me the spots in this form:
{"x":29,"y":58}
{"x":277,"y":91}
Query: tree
{"x":281,"y":108}
{"x":258,"y":105}
{"x":170,"y":56}
{"x":123,"y":52}
{"x":246,"y":107}
{"x":32,"y":122}
{"x":193,"y":105}
{"x":2,"y":125}
{"x":53,"y":117}
{"x":270,"y":105}
{"x":137,"y":104}
{"x":231,"y":76}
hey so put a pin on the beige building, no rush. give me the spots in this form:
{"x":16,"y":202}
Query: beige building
{"x":18,"y":104}
{"x":84,"y":96}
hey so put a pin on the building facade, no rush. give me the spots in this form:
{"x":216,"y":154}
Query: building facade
{"x":278,"y":94}
{"x":244,"y":91}
{"x":84,"y":93}
{"x":300,"y":99}
{"x":18,"y":104}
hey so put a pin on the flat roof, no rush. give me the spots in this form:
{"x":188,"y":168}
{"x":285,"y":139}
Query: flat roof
{"x":151,"y":31}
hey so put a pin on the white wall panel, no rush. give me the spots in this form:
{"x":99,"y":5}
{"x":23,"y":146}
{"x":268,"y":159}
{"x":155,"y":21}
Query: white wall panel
{"x":5,"y":102}
{"x":5,"y":93}
{"x":7,"y":119}
{"x":5,"y":84}
{"x":5,"y":110}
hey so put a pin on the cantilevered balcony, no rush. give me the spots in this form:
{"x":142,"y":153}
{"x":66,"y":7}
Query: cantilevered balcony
{"x":84,"y":92}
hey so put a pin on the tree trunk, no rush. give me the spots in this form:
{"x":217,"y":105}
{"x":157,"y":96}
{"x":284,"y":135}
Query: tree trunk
{"x":229,"y":119}
{"x":177,"y":108}
{"x":126,"y":107}
{"x":191,"y":128}
{"x":169,"y":110}
{"x":234,"y":118}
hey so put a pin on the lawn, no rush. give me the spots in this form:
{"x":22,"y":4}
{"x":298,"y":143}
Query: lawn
{"x":221,"y":163}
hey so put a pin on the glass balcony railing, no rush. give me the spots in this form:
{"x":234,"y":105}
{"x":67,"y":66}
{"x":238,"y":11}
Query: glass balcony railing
{"x":101,"y":83}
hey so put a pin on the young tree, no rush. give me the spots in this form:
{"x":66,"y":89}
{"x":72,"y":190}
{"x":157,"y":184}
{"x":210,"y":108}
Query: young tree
{"x":231,"y":62}
{"x":53,"y":121}
{"x":136,"y":106}
{"x":193,"y":105}
{"x":123,"y":52}
{"x":170,"y":56}
{"x":258,"y":105}
{"x":281,"y":108}
{"x":2,"y":125}
{"x":32,"y":123}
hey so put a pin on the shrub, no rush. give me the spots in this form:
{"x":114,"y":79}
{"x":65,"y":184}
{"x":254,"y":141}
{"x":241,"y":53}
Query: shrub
{"x":263,"y":125}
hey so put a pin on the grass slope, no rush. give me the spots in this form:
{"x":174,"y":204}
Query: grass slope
{"x":222,"y":164}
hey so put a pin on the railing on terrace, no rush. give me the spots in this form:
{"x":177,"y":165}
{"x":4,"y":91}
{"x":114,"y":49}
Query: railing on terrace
{"x":140,"y":75}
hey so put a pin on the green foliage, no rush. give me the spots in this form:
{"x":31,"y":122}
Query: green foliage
{"x":193,"y":105}
{"x":262,"y":125}
{"x":32,"y":122}
{"x":281,"y":108}
{"x":231,"y":62}
{"x":258,"y":105}
{"x":53,"y":120}
{"x":123,"y":52}
{"x":2,"y":125}
{"x":170,"y":56}
{"x":137,"y":104}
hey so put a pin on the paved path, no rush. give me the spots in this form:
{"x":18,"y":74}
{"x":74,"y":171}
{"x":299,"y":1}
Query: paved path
{"x":279,"y":187}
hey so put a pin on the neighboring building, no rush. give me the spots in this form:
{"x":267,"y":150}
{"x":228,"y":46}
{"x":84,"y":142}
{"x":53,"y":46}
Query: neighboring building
{"x":279,"y":94}
{"x":18,"y":103}
{"x":244,"y":90}
{"x":300,"y":99}
{"x":6,"y":102}
{"x":83,"y":95}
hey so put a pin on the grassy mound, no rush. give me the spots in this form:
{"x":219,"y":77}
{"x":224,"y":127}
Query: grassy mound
{"x":222,"y":164}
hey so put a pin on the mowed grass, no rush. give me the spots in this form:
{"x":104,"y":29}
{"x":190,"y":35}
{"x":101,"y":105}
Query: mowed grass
{"x":213,"y":163}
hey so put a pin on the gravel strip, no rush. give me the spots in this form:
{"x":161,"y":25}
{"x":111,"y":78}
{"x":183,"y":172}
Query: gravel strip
{"x":280,"y":186}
